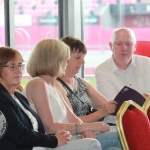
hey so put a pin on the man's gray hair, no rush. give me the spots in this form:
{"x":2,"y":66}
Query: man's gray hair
{"x":113,"y":37}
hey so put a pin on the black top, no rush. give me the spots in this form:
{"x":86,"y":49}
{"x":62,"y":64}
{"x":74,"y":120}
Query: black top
{"x":79,"y":100}
{"x":20,"y":134}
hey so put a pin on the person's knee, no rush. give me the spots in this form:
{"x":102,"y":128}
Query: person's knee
{"x":95,"y":144}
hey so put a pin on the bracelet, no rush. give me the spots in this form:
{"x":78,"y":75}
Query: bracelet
{"x":76,"y":128}
{"x":79,"y":128}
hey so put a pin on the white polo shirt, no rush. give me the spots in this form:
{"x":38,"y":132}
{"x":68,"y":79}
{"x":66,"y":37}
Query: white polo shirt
{"x":110,"y":79}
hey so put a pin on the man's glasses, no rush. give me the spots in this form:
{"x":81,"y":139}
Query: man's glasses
{"x":14,"y":67}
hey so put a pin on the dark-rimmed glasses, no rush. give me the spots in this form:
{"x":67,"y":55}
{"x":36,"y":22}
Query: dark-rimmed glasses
{"x":14,"y":67}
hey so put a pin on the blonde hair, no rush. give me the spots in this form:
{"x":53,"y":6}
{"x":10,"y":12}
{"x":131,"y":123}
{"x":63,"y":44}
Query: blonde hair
{"x":47,"y":58}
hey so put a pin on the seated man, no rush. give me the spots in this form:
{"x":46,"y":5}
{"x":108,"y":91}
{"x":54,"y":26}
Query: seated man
{"x":124,"y":68}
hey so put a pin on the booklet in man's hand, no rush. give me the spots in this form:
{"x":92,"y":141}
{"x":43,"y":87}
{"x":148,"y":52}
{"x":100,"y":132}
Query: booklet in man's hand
{"x":125,"y":94}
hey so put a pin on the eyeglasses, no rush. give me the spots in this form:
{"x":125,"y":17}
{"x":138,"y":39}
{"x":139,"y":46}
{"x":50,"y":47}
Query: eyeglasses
{"x":14,"y":67}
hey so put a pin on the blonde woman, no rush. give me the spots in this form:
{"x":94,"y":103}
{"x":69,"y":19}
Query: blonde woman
{"x":48,"y":61}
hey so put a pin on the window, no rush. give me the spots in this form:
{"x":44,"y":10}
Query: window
{"x":2,"y":29}
{"x":34,"y":20}
{"x":101,"y":17}
{"x":38,"y":19}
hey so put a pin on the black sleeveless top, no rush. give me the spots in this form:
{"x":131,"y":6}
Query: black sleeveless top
{"x":80,"y":107}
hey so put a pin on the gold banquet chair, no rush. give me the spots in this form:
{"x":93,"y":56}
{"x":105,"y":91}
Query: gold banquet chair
{"x":146,"y":107}
{"x":133,"y":127}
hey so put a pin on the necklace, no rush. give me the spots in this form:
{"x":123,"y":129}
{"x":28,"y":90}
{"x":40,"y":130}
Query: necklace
{"x":73,"y":84}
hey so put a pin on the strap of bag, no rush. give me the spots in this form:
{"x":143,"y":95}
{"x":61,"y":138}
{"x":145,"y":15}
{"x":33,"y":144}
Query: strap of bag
{"x":71,"y":91}
{"x":90,"y":109}
{"x":68,"y":88}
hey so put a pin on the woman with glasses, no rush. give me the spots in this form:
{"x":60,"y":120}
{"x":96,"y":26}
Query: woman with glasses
{"x":48,"y":61}
{"x":20,"y":127}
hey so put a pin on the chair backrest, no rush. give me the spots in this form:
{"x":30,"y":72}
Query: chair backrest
{"x":146,"y":107}
{"x":143,"y":48}
{"x":133,"y":127}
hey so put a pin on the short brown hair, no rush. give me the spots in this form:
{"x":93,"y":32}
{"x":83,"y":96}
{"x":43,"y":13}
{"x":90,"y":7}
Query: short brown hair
{"x":7,"y":54}
{"x":75,"y":44}
{"x":47,"y":58}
